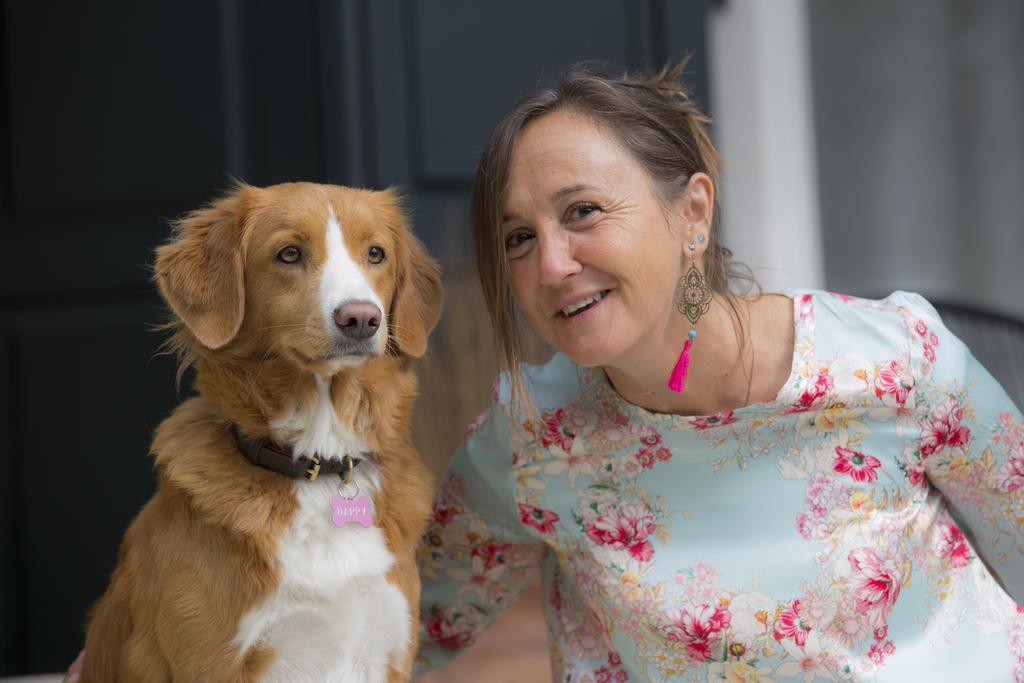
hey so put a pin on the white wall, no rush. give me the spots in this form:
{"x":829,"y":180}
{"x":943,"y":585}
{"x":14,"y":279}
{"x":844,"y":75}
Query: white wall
{"x":762,"y":104}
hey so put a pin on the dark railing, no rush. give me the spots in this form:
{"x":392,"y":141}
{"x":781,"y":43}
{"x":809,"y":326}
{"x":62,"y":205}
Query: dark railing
{"x":995,"y":339}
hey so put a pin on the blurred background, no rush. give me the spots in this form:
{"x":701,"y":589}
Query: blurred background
{"x":869,"y":146}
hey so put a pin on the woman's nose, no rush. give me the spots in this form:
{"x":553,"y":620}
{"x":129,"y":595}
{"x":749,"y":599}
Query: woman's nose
{"x":557,"y":260}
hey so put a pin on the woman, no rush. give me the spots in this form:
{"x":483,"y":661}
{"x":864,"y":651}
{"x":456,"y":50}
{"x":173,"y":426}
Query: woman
{"x":715,"y":486}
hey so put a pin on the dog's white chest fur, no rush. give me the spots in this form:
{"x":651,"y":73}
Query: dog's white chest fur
{"x":333,"y":616}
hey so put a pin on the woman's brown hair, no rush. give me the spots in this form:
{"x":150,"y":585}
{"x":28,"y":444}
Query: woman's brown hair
{"x":652,"y":116}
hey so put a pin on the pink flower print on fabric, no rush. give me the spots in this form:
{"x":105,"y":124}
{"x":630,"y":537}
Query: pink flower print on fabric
{"x":1010,"y":476}
{"x":651,"y":439}
{"x":812,"y":525}
{"x":443,"y":515}
{"x":485,"y":583}
{"x":949,"y":542}
{"x":1010,"y":433}
{"x":648,"y":456}
{"x":942,"y":428}
{"x":916,"y":474}
{"x":804,"y":306}
{"x":540,"y":519}
{"x":645,"y":458}
{"x":894,"y":379}
{"x":876,"y":584}
{"x":611,"y":672}
{"x":716,"y":420}
{"x":860,"y":466}
{"x":625,"y":528}
{"x":452,"y":629}
{"x":789,"y":624}
{"x":699,"y":584}
{"x":931,"y":340}
{"x":824,"y":493}
{"x":446,"y":502}
{"x":554,"y":431}
{"x":696,"y":628}
{"x":652,"y":451}
{"x":817,"y":610}
{"x":491,"y":552}
{"x":812,"y":394}
{"x":879,"y":650}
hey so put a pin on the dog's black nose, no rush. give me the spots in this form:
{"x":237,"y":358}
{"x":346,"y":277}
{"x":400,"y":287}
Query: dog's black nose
{"x":357,"y":319}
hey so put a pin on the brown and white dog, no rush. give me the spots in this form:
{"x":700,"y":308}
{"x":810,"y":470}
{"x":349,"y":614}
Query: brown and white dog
{"x":300,"y":307}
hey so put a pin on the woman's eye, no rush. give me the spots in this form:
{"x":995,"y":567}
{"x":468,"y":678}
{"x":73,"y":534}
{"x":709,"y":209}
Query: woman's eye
{"x":289,"y":255}
{"x":516,"y":239}
{"x":578,"y":211}
{"x":375,"y":255}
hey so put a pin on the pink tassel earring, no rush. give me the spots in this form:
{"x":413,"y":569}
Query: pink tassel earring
{"x":677,"y":380}
{"x":693,"y":299}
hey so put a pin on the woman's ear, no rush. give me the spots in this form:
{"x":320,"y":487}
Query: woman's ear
{"x":696,"y":206}
{"x":200,"y":271}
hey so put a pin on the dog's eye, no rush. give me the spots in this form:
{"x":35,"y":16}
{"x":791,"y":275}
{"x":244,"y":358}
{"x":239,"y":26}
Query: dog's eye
{"x":376,"y":255}
{"x":289,"y":255}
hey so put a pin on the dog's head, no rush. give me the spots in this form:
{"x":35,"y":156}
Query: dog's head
{"x":322,"y":275}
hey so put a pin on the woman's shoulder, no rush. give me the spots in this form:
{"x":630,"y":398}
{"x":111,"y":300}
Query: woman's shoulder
{"x":852,"y":320}
{"x":901,"y":333}
{"x":839,"y":304}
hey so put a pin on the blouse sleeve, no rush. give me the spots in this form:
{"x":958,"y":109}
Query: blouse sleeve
{"x":476,"y":556}
{"x":971,"y":447}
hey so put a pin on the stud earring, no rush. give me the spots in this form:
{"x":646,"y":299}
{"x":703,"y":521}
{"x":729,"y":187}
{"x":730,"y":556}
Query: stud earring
{"x":693,"y":299}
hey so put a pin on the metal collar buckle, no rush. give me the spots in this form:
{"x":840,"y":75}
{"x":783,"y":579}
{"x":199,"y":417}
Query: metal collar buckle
{"x":314,"y":471}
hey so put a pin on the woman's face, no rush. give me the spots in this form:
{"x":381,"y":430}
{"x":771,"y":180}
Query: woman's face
{"x":593,"y":257}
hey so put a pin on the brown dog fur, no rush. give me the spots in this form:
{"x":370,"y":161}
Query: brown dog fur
{"x":201,"y":553}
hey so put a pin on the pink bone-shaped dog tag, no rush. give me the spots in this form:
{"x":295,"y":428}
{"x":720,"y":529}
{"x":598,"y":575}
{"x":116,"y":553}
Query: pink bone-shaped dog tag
{"x":351,"y":511}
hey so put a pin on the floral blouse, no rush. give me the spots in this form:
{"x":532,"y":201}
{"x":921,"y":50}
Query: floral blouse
{"x":865,"y":524}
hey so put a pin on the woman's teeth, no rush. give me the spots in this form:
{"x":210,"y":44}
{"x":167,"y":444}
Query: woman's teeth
{"x":572,"y":308}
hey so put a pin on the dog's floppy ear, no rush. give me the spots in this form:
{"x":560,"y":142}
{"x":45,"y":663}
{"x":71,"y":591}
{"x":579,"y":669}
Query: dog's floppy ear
{"x":418,"y":296}
{"x":200,"y":271}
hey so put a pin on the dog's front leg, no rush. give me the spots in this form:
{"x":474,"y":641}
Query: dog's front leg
{"x":405,"y":576}
{"x":109,"y":629}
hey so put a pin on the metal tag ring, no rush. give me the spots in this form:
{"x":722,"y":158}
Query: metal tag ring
{"x":346,"y":486}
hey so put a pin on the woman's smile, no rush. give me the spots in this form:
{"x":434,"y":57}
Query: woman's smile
{"x":581,"y":305}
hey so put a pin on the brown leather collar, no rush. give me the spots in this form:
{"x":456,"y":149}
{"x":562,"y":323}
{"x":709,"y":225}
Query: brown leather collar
{"x":268,"y":455}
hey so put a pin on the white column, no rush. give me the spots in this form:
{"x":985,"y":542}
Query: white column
{"x":764,"y":129}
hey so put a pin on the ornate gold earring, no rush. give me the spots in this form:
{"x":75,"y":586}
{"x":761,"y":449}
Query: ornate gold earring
{"x":693,"y":299}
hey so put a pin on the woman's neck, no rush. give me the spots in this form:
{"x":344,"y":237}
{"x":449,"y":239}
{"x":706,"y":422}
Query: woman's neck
{"x":731,"y":365}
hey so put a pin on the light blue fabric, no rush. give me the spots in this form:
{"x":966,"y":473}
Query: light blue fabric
{"x":811,"y":537}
